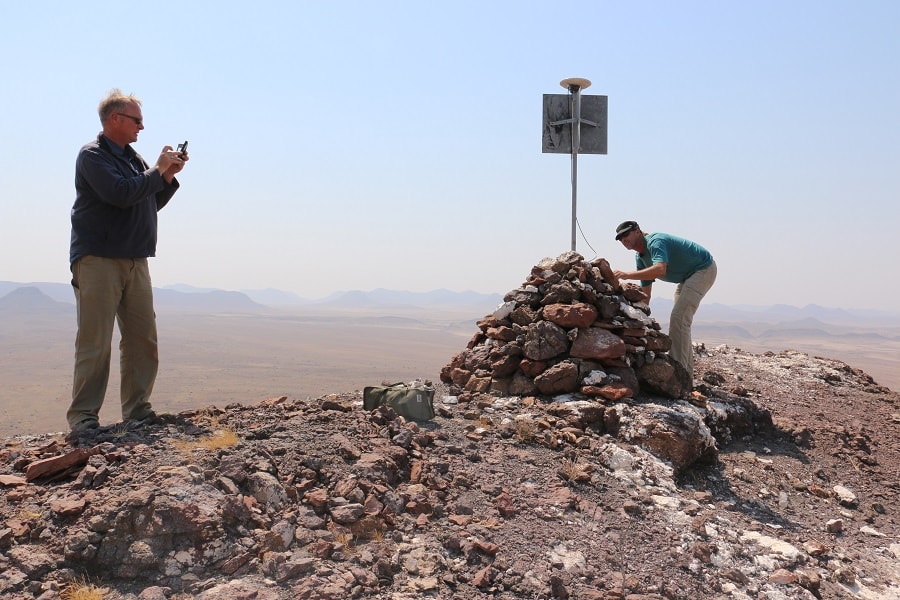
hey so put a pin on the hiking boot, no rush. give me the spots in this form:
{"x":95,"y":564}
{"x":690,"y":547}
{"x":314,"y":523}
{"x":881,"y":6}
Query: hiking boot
{"x":84,"y":430}
{"x":153,"y":418}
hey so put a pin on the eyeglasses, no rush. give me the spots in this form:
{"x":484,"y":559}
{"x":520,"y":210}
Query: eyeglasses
{"x":137,"y":121}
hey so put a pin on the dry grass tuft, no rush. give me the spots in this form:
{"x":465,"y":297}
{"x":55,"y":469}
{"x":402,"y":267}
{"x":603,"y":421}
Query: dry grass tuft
{"x":119,"y":431}
{"x":223,"y":438}
{"x":371,"y":529}
{"x":81,"y":589}
{"x":526,"y":430}
{"x":28,"y":515}
{"x":572,"y":470}
{"x":344,"y":538}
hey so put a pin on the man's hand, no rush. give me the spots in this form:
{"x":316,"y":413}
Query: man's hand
{"x":649,"y":274}
{"x":170,"y":162}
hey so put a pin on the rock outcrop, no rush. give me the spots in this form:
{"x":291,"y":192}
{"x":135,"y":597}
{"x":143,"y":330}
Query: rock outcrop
{"x":500,"y":497}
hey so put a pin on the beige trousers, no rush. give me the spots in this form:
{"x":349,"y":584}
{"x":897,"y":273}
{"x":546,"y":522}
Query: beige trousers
{"x":688,"y":295}
{"x":108,"y":290}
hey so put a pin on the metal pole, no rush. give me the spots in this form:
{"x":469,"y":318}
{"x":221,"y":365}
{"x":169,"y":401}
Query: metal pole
{"x":575,"y":85}
{"x":576,"y":144}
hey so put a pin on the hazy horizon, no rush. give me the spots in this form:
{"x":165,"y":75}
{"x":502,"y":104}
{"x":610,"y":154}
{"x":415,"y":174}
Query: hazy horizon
{"x":286,"y":298}
{"x":351,"y":145}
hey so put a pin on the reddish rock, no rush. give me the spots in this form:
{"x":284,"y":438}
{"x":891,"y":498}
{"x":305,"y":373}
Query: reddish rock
{"x":561,"y":378}
{"x":562,"y":497}
{"x":503,"y":333}
{"x":545,"y":340}
{"x":633,"y":293}
{"x":67,"y":507}
{"x":571,"y":315}
{"x":606,"y":272}
{"x":532,"y":368}
{"x":318,"y":498}
{"x":478,"y":384}
{"x":505,"y":505}
{"x":782,"y":577}
{"x":488,"y":548}
{"x":461,"y":520}
{"x":57,"y":464}
{"x":659,"y":343}
{"x":459,"y":376}
{"x":615,"y":391}
{"x":597,"y":343}
{"x":484,"y":577}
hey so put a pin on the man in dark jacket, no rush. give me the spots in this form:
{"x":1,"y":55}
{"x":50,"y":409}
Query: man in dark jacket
{"x":117,"y":196}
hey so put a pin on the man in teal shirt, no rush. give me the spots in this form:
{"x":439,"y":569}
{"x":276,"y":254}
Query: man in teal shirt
{"x":676,"y":260}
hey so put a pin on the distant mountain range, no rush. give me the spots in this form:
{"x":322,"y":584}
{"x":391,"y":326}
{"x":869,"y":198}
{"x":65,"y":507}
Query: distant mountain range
{"x":30,"y":300}
{"x":27,"y":298}
{"x":739,"y":321}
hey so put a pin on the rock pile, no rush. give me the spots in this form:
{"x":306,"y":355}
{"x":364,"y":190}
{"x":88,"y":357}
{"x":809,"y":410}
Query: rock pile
{"x":571,"y":327}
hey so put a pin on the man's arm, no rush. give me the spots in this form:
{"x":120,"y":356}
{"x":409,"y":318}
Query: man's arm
{"x":104,"y":175}
{"x":649,"y":274}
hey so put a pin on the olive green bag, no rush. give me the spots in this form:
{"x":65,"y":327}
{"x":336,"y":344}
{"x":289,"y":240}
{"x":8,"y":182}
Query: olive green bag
{"x":412,"y":402}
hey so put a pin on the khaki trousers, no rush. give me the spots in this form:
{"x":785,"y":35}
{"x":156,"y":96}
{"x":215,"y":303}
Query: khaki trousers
{"x":688,"y":295}
{"x":108,"y":290}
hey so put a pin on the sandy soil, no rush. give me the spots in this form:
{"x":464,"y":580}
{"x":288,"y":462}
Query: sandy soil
{"x":220,"y":359}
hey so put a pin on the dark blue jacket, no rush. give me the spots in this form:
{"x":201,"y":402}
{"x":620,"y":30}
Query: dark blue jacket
{"x":116,"y":201}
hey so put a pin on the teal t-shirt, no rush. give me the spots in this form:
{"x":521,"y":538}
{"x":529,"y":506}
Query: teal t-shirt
{"x":683,"y":257}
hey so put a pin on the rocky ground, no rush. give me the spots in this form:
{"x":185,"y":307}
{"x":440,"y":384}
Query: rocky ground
{"x":779,"y":478}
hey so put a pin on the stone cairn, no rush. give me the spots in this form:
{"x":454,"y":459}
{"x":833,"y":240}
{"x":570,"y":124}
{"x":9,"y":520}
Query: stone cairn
{"x":570,"y":328}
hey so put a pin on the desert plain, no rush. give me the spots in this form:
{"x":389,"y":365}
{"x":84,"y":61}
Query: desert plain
{"x":218,"y":359}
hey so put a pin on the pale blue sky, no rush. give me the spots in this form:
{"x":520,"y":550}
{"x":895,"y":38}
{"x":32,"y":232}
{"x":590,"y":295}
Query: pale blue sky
{"x":356,"y":145}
